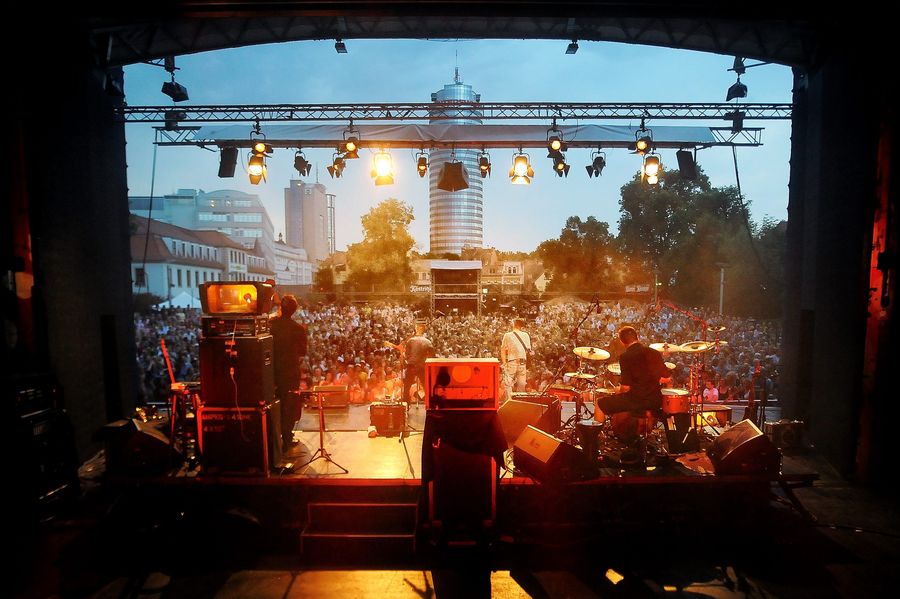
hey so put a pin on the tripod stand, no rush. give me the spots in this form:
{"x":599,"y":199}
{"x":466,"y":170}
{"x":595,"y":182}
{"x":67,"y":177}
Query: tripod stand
{"x":321,"y":453}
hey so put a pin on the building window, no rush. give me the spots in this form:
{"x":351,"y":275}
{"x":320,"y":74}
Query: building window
{"x":140,"y":277}
{"x":248,"y":217}
{"x":197,"y":278}
{"x":183,"y":252}
{"x":179,"y":277}
{"x":242,"y":203}
{"x":174,"y":248}
{"x":192,"y":250}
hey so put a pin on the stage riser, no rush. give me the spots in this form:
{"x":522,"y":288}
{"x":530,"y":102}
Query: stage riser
{"x":338,"y":550}
{"x":362,"y":518}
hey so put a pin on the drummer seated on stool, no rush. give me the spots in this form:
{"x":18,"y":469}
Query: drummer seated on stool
{"x":643,"y":370}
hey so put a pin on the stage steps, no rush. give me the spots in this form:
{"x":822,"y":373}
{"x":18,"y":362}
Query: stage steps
{"x":345,"y":532}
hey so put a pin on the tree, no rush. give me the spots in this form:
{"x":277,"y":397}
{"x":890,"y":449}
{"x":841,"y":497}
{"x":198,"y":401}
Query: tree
{"x":679,"y":228}
{"x":323,"y":280}
{"x":583,"y":258}
{"x":380,"y":262}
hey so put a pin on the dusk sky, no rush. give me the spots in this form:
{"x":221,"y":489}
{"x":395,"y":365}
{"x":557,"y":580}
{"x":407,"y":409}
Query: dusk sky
{"x":515,"y":217}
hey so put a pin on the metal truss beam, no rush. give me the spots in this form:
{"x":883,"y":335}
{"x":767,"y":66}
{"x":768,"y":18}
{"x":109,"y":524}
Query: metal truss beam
{"x":430,"y":111}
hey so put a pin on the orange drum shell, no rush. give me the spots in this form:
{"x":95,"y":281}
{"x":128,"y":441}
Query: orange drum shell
{"x":676,"y":404}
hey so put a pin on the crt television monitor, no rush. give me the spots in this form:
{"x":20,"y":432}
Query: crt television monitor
{"x":236,"y":298}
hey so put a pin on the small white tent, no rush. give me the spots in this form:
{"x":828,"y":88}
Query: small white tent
{"x":182,"y":300}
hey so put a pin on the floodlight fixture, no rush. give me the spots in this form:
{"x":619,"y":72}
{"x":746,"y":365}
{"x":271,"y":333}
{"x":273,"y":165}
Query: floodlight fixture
{"x":256,"y":168}
{"x":302,"y":165}
{"x":737,"y":90}
{"x":421,"y":164}
{"x":598,"y":162}
{"x":337,"y":166}
{"x":484,"y":164}
{"x":350,"y":147}
{"x":339,"y":46}
{"x":383,"y":169}
{"x":521,"y":171}
{"x":175,"y":90}
{"x":572,"y":48}
{"x":561,"y":168}
{"x":737,"y":120}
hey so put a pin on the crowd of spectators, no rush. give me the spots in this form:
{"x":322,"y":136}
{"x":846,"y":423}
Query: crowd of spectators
{"x":347,"y":345}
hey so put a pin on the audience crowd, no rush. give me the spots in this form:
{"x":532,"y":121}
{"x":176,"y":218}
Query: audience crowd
{"x":347,"y":346}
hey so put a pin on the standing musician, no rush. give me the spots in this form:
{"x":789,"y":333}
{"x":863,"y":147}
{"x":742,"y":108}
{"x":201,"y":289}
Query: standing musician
{"x":643,"y":370}
{"x":514,"y":350}
{"x":414,"y":351}
{"x":289,"y":339}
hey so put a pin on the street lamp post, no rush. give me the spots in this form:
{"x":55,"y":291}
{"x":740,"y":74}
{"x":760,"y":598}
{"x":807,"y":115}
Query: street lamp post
{"x":721,"y":266}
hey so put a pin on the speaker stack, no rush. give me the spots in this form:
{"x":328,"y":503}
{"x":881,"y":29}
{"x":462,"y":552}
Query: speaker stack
{"x":549,"y":459}
{"x":239,"y":419}
{"x":744,"y":449}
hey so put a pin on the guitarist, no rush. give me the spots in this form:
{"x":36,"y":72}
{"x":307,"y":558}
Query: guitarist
{"x":414,"y":351}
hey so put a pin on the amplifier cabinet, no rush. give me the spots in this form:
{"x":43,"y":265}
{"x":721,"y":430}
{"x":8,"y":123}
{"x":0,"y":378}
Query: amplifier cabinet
{"x":240,"y":440}
{"x":462,"y":383}
{"x":251,"y":359}
{"x":387,"y":418}
{"x":246,"y":326}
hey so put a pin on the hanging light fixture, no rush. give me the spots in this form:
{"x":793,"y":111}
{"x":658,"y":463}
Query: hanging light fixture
{"x":256,"y":168}
{"x":302,"y":165}
{"x":259,"y":151}
{"x":350,"y":147}
{"x":421,"y":163}
{"x":383,"y":169}
{"x":337,"y":166}
{"x":521,"y":171}
{"x":598,"y":162}
{"x":560,"y":167}
{"x":651,"y":168}
{"x":484,"y":164}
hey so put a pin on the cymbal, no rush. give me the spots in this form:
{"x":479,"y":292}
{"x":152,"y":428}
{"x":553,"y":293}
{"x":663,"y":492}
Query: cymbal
{"x":670,"y":365}
{"x":696,"y":346}
{"x":581,"y":375}
{"x":673,"y":391}
{"x":666,"y":347}
{"x":591,"y":353}
{"x":718,"y":329}
{"x":614,"y":368}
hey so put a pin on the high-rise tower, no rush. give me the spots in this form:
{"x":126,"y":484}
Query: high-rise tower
{"x":455,"y":218}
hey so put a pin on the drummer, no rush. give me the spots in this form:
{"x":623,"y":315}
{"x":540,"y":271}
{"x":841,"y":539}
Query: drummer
{"x":643,"y":371}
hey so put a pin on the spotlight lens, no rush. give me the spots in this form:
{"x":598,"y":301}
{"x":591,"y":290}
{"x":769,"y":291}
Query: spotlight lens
{"x":555,"y":144}
{"x":642,"y":144}
{"x":259,"y":147}
{"x":383,"y":165}
{"x":651,"y":166}
{"x":652,"y":179}
{"x":351,"y":146}
{"x":520,"y":166}
{"x":255,"y":167}
{"x":521,"y":180}
{"x":560,"y":166}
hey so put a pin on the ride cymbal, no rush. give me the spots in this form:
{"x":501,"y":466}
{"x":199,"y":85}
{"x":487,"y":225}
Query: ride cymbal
{"x":591,"y":353}
{"x":696,"y":346}
{"x":580,"y":375}
{"x":666,"y":347}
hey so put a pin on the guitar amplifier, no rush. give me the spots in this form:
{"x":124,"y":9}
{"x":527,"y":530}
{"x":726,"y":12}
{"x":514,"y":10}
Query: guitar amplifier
{"x":245,"y":326}
{"x":462,"y":383}
{"x":388,"y":418}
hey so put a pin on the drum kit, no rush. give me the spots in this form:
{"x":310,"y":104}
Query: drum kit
{"x":681,"y":405}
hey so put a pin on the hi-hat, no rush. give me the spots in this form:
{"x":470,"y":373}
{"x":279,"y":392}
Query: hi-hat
{"x":670,"y":365}
{"x":696,"y":346}
{"x":718,"y":329}
{"x":591,"y":353}
{"x":581,"y":375}
{"x":665,"y":347}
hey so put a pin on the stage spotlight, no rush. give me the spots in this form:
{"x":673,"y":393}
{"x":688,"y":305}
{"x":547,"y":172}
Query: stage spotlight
{"x":643,"y":141}
{"x":561,"y":168}
{"x":595,"y":169}
{"x":737,"y":120}
{"x":339,"y":46}
{"x":572,"y":48}
{"x":350,"y":147}
{"x":383,"y":169}
{"x":175,"y":90}
{"x":256,"y":168}
{"x":521,"y":171}
{"x":555,"y":144}
{"x":652,"y":165}
{"x":422,"y":164}
{"x":262,"y":148}
{"x":737,"y":90}
{"x":172,"y":117}
{"x":738,"y":66}
{"x":227,"y":162}
{"x":337,"y":167}
{"x":302,"y":164}
{"x":484,"y":165}
{"x":652,"y":180}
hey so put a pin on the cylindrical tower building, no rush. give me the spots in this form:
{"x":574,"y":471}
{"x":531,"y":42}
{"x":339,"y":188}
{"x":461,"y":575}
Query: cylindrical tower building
{"x":455,"y":217}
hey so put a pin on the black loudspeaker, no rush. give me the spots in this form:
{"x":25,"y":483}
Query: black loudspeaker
{"x":135,"y":447}
{"x":453,"y":177}
{"x":744,"y":449}
{"x":227,"y":161}
{"x":547,"y":458}
{"x":686,"y":164}
{"x":251,"y":359}
{"x":515,"y":415}
{"x":240,"y":441}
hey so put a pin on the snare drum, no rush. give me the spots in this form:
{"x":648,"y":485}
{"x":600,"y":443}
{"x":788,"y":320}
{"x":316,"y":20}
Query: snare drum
{"x":676,"y":401}
{"x":563,"y":392}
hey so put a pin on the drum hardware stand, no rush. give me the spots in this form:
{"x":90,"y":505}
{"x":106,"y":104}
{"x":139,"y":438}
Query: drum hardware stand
{"x":321,"y":452}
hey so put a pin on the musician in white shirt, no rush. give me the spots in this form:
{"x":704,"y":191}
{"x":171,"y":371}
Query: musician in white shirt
{"x":514,"y":351}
